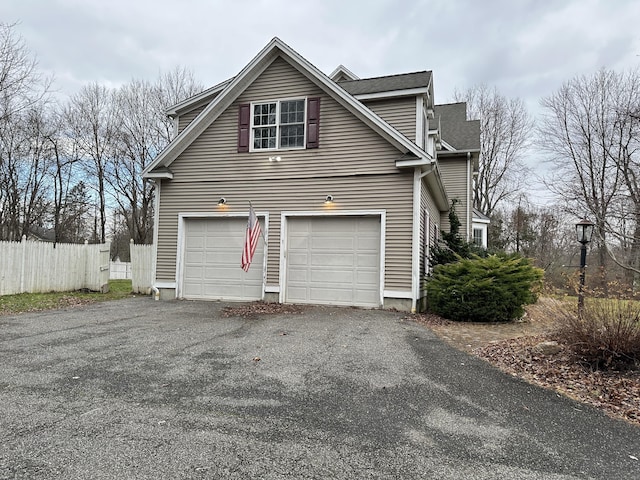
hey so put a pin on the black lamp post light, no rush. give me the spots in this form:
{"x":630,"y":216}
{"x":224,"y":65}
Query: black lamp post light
{"x":584,"y":231}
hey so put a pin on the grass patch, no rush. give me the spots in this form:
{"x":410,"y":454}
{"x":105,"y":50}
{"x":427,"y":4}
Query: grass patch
{"x":34,"y":302}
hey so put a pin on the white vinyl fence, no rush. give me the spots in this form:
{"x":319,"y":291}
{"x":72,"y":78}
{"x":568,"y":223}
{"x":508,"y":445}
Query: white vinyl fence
{"x":39,"y":267}
{"x":141,"y":268}
{"x":119,"y":270}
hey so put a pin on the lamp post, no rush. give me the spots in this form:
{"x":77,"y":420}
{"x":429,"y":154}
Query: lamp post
{"x":584,"y":231}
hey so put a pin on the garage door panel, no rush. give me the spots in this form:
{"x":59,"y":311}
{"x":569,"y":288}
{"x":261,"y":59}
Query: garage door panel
{"x":368,"y":243}
{"x":297,"y":259}
{"x":195,"y":242}
{"x":337,"y":264}
{"x":344,"y":277}
{"x":366,"y":260}
{"x":337,"y":260}
{"x":339,"y":243}
{"x":213,"y":249}
{"x":298,"y":276}
{"x":368,"y":278}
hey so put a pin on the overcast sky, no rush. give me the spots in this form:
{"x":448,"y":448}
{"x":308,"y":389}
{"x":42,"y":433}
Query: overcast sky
{"x":526,"y":48}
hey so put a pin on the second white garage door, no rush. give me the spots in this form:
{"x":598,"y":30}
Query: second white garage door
{"x":212,"y":258}
{"x":333,"y":261}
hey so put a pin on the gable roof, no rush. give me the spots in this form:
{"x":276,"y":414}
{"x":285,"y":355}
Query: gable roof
{"x":389,"y":83}
{"x":342,"y":73}
{"x":198,"y":99}
{"x":456,"y":130}
{"x":234,"y":87}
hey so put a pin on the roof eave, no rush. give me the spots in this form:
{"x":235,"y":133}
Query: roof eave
{"x":196,"y":100}
{"x":167,"y":174}
{"x":434,"y":179}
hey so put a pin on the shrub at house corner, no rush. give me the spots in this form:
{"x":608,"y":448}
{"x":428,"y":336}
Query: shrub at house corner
{"x":491,"y":289}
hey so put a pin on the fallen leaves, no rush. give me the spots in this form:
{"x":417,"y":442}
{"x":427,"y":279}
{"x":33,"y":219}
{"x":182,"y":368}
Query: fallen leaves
{"x":615,"y":392}
{"x":261,"y":308}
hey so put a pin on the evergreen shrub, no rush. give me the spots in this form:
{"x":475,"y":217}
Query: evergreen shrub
{"x":491,"y":289}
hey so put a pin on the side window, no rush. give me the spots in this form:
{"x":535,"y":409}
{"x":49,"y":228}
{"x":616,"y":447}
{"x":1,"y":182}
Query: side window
{"x":478,"y":234}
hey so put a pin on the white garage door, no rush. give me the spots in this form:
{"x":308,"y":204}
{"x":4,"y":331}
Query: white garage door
{"x":212,"y":257}
{"x":333,"y":261}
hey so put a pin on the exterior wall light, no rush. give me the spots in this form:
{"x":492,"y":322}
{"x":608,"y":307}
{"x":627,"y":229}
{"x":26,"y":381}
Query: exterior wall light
{"x":328,"y":199}
{"x":222,"y":201}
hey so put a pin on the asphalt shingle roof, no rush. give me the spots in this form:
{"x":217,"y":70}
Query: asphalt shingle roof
{"x":456,"y":130}
{"x":404,"y":81}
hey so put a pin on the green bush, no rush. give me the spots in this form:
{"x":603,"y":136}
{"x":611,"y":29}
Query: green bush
{"x":606,"y":335}
{"x":452,"y":247}
{"x":491,"y":289}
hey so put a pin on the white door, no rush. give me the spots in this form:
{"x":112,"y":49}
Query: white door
{"x":333,"y":260}
{"x":212,"y":258}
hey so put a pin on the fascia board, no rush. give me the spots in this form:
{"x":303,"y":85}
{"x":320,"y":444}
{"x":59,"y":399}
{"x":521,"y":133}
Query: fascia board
{"x":414,"y":162}
{"x":152,"y":175}
{"x":434,"y":180}
{"x":458,"y":152}
{"x":393,"y":93}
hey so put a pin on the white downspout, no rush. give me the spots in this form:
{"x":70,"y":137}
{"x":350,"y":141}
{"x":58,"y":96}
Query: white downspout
{"x":415,"y":244}
{"x":156,"y":222}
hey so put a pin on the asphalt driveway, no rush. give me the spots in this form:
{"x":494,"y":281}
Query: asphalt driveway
{"x":139,"y":389}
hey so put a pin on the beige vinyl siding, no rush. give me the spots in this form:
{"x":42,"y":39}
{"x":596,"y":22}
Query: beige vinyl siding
{"x":186,"y":118}
{"x":347,"y":146}
{"x":398,"y":112}
{"x":353,"y":164}
{"x":455,"y":176}
{"x":350,"y":193}
{"x":427,"y":204}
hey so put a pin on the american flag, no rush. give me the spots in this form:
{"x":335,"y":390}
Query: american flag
{"x":251,"y":239}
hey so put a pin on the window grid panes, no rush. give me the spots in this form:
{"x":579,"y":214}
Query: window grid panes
{"x":279,"y":124}
{"x":477,"y":236}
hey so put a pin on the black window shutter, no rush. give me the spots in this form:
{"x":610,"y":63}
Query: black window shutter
{"x":244,"y":123}
{"x":313,"y":122}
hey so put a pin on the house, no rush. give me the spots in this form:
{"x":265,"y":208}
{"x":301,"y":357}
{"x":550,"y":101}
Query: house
{"x":351,"y":180}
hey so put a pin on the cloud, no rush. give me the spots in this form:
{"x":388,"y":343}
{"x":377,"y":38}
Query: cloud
{"x":525,"y":48}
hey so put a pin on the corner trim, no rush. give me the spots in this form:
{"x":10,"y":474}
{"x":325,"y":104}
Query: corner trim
{"x":398,"y":294}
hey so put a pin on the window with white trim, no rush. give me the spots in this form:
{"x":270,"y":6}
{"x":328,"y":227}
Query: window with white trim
{"x":278,"y":125}
{"x":478,"y":236}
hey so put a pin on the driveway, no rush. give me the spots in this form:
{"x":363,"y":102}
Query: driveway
{"x":137,"y":389}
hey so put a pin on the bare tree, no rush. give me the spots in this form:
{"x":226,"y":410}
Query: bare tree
{"x":22,"y":85}
{"x":625,"y":151}
{"x":505,"y":126}
{"x":143,"y":130}
{"x":171,"y":88}
{"x":588,"y":142}
{"x":23,"y":95}
{"x":91,"y":118}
